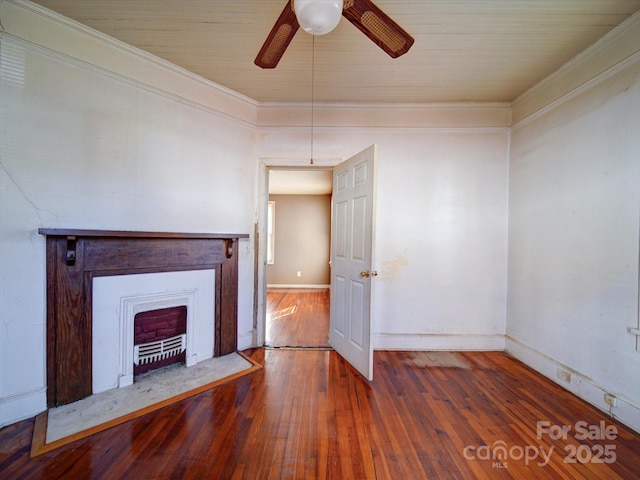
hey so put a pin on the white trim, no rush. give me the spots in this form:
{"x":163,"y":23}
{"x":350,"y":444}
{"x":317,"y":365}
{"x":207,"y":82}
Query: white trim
{"x":592,"y":83}
{"x":296,"y":285}
{"x":636,"y":332}
{"x":248,"y":339}
{"x":626,"y":410}
{"x":67,"y":51}
{"x":433,"y":106}
{"x":130,"y":49}
{"x":23,"y":405}
{"x":132,"y":305}
{"x":296,"y":163}
{"x":263,"y":197}
{"x":339,"y":130}
{"x":271,"y":232}
{"x":100,"y":71}
{"x":438,"y":341}
{"x":613,"y":48}
{"x":418,"y":115}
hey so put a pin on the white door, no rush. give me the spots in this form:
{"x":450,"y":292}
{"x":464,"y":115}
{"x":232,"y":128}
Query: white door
{"x":352,"y":260}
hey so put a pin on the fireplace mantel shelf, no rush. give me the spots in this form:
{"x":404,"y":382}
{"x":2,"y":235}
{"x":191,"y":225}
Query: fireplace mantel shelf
{"x":75,"y":257}
{"x":73,"y":232}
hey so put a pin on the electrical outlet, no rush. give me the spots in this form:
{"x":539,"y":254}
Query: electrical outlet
{"x":564,"y":375}
{"x":610,"y":399}
{"x":298,"y":274}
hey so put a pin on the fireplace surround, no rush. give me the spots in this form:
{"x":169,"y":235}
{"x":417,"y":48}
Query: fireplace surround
{"x":75,"y":257}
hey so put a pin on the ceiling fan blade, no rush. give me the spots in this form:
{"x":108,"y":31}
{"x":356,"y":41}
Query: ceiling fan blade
{"x":378,"y":26}
{"x":279,"y":38}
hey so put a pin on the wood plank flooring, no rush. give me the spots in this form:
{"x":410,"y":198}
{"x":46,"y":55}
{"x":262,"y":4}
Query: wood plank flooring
{"x":308,"y":414}
{"x":297,"y":317}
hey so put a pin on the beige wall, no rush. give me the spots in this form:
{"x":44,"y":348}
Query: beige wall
{"x":302,"y":239}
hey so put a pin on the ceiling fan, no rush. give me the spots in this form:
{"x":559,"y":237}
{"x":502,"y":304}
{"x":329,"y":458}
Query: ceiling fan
{"x":364,"y":14}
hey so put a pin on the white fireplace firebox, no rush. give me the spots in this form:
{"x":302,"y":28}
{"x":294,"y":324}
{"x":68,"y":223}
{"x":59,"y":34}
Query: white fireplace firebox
{"x":117,"y":300}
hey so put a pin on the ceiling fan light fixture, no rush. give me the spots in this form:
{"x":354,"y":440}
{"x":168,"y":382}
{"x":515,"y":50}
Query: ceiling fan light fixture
{"x":318,"y":17}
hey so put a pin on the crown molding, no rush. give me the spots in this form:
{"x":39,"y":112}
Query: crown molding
{"x":596,"y":62}
{"x":435,"y":115}
{"x":40,"y":28}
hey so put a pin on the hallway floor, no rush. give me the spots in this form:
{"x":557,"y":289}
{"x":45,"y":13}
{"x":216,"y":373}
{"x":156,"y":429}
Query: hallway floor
{"x":297,"y":317}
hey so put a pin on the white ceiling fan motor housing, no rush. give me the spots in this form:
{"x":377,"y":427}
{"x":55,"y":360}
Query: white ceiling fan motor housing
{"x":318,"y":17}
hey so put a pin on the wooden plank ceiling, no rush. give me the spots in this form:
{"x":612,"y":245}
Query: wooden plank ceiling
{"x":464,"y":51}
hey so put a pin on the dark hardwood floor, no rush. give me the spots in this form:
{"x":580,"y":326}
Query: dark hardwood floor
{"x":307,"y":414}
{"x":297,"y":317}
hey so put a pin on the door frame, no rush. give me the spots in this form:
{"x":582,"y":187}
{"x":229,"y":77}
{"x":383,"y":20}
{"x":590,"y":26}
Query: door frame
{"x":260,"y":275}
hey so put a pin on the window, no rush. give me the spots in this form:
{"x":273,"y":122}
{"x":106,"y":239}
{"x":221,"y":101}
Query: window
{"x":271,"y":213}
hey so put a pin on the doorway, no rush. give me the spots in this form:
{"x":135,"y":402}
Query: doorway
{"x":297,"y":272}
{"x":351,"y":250}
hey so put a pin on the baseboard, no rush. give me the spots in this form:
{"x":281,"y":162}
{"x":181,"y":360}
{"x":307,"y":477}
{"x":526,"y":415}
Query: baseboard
{"x":22,"y":406}
{"x":296,"y":285}
{"x":446,"y":341}
{"x":248,"y":340}
{"x":626,"y":410}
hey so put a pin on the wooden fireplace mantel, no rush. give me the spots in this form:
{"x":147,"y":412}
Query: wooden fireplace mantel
{"x":75,"y":257}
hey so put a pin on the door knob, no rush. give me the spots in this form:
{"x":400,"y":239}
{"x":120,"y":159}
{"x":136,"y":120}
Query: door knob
{"x":367,"y":273}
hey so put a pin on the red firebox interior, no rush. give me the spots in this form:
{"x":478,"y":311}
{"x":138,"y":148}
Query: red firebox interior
{"x":155,"y":325}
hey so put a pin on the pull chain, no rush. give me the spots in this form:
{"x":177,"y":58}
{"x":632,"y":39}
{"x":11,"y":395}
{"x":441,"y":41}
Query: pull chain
{"x":313,"y":64}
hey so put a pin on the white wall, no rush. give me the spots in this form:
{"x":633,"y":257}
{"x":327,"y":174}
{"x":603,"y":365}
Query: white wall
{"x":95,"y":134}
{"x":573,"y":239}
{"x":90,"y":142}
{"x":441,"y":228}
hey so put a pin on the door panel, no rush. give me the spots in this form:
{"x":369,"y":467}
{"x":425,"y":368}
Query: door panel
{"x":338,"y":298}
{"x":340,"y":229}
{"x":352,"y":260}
{"x":357,"y":314}
{"x":359,"y":241}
